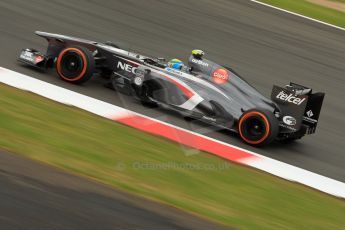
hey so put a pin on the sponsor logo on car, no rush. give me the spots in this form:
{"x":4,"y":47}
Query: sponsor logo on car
{"x":310,"y":113}
{"x":220,"y":76}
{"x":138,"y":81}
{"x":126,"y":67}
{"x":26,"y":55}
{"x":308,"y":119}
{"x":289,"y":120}
{"x":309,"y":116}
{"x":289,"y":127}
{"x":290,"y":98}
{"x":199,"y":62}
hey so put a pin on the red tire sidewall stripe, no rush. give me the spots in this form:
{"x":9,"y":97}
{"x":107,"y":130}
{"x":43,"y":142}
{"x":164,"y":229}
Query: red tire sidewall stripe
{"x":58,"y":64}
{"x":250,"y":114}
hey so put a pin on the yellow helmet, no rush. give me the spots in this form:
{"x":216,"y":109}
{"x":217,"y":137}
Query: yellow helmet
{"x":198,"y":53}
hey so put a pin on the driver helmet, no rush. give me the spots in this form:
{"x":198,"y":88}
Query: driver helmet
{"x":198,"y":54}
{"x":175,"y":64}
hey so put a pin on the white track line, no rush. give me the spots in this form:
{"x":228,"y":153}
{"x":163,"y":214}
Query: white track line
{"x":110,"y":111}
{"x":299,"y":15}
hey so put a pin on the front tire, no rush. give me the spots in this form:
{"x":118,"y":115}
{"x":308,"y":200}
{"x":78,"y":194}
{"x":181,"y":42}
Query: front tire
{"x":75,"y":64}
{"x":258,"y":127}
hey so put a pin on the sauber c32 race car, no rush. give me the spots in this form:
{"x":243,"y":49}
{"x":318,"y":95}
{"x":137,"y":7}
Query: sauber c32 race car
{"x":202,"y":90}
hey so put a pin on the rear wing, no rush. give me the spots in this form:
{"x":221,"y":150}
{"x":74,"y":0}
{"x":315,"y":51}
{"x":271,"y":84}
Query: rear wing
{"x":312,"y":111}
{"x":299,"y":107}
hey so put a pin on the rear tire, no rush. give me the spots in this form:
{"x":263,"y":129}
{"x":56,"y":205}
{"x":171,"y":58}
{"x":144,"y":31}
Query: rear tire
{"x":75,"y":64}
{"x":258,"y":127}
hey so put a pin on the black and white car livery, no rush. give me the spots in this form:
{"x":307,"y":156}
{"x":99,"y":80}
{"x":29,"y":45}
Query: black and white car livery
{"x":204,"y":90}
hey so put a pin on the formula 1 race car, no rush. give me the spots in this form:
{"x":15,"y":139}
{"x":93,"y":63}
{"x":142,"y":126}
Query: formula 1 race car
{"x":202,"y":89}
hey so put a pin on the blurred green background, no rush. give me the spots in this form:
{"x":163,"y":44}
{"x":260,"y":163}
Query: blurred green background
{"x":313,"y":10}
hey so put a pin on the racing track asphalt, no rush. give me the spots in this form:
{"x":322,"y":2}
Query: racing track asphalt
{"x":264,"y":45}
{"x":36,"y":196}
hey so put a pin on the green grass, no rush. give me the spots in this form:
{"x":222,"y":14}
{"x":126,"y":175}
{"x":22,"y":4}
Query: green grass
{"x":128,"y":159}
{"x":325,"y":14}
{"x":342,"y":1}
